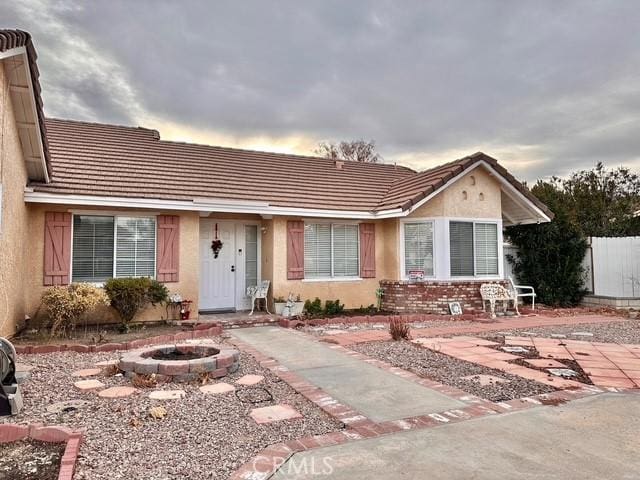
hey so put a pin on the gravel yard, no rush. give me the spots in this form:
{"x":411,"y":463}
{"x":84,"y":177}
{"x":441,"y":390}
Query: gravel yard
{"x":449,"y":370}
{"x":610,"y":332}
{"x":202,"y":437}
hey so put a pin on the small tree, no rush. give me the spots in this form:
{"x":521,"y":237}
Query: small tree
{"x":65,"y":305}
{"x":130,"y":295}
{"x":353,"y":151}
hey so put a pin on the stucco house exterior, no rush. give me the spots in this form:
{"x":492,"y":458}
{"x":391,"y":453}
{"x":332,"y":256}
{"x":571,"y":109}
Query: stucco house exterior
{"x":86,"y":202}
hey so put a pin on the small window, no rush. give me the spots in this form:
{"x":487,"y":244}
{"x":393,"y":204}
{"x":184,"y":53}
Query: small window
{"x":473,"y":249}
{"x":251,"y":255}
{"x":331,"y":250}
{"x":418,"y":248}
{"x":105,"y":247}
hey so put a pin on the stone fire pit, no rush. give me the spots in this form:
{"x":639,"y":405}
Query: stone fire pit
{"x":181,"y":362}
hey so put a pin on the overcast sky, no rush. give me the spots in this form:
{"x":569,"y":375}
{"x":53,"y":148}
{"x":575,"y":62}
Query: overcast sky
{"x":544,"y":86}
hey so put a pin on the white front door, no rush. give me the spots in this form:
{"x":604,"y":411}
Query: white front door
{"x":217,"y":275}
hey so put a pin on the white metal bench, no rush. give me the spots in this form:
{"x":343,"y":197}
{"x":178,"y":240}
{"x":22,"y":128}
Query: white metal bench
{"x":527,"y":291}
{"x":259,"y":292}
{"x":494,"y":292}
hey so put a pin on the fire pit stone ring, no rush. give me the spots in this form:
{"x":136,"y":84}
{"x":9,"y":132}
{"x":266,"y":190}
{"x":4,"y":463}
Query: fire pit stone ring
{"x":181,"y":362}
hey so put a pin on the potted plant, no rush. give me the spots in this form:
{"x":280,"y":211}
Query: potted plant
{"x":293,"y":307}
{"x":279,"y":304}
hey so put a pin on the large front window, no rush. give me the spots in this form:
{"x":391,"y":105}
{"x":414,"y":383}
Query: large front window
{"x":331,"y":250}
{"x":473,"y":249}
{"x":106,"y":246}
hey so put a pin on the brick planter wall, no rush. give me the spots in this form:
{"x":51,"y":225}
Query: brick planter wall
{"x":431,"y":296}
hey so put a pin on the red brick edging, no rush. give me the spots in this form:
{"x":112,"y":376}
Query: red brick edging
{"x":112,"y":347}
{"x":11,"y":432}
{"x":363,"y":319}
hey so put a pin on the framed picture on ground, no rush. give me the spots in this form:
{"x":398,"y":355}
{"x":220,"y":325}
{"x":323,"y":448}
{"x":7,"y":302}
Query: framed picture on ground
{"x":455,"y":308}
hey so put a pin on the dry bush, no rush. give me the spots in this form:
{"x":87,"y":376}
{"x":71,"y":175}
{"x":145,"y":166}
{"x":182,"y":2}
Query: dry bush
{"x":144,"y":381}
{"x":399,"y":329}
{"x":65,"y":305}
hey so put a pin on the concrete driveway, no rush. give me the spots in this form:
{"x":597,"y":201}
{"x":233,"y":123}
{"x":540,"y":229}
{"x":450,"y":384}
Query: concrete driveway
{"x":594,"y":438}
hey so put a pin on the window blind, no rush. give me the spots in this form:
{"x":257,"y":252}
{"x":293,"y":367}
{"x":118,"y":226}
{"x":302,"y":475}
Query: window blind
{"x":92,"y":248}
{"x":135,"y":247}
{"x":317,"y":250}
{"x":418,"y":248}
{"x":346,"y":256}
{"x":461,"y":249}
{"x":486,"y":240}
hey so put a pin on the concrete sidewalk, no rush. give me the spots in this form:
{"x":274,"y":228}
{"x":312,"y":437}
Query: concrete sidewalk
{"x":379,"y":395}
{"x":593,"y":438}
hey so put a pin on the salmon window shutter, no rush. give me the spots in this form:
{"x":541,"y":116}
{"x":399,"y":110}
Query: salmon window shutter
{"x":57,"y":248}
{"x":295,"y":250}
{"x":367,"y":250}
{"x":167,"y":247}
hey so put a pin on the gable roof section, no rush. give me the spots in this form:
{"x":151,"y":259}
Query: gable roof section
{"x":25,"y":90}
{"x":99,"y":164}
{"x":408,"y":192}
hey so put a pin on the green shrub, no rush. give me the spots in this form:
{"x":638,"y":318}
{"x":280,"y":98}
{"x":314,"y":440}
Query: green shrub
{"x":550,"y":258}
{"x":65,"y":305}
{"x":313,"y":308}
{"x":333,"y":307}
{"x":130,"y":295}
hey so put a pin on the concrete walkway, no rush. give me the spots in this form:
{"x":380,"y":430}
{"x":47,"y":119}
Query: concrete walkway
{"x":596,"y":437}
{"x":379,"y":395}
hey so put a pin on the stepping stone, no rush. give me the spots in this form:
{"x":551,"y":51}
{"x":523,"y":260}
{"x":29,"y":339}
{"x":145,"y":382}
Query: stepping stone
{"x":167,"y":395}
{"x":485,"y":380}
{"x":274,"y":413}
{"x":250,"y":380}
{"x":335,"y":332}
{"x":530,"y":334}
{"x":545,"y":363}
{"x":117,"y":392}
{"x":563,"y":372}
{"x":217,"y":388}
{"x":582,"y":334}
{"x":87,"y":372}
{"x":558,"y":335}
{"x":515,"y":349}
{"x":23,"y":367}
{"x":87,"y":385}
{"x":65,"y":407}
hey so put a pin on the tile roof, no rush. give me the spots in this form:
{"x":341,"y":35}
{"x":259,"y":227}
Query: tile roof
{"x":10,"y":39}
{"x":117,"y":161}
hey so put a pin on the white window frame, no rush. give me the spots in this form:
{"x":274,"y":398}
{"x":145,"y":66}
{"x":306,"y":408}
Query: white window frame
{"x":499,"y":240}
{"x":115,"y":239}
{"x":441,"y":251}
{"x":333,"y":278}
{"x":432,"y":221}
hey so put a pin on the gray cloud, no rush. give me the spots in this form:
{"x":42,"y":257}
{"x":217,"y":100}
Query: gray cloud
{"x":557,"y":80}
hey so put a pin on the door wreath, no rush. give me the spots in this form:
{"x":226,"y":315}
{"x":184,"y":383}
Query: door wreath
{"x":216,"y":244}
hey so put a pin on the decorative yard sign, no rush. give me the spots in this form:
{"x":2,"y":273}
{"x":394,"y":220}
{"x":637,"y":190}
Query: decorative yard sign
{"x":415,"y":275}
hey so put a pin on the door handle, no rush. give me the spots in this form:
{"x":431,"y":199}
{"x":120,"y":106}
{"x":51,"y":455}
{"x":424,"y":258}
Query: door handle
{"x":233,"y":268}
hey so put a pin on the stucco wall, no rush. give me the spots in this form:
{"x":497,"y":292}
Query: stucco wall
{"x":475,"y":195}
{"x":187,"y":285}
{"x":13,"y":230}
{"x":353,"y":293}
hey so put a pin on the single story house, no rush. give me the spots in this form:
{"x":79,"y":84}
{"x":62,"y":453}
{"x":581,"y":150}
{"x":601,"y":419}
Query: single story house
{"x":83,"y":202}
